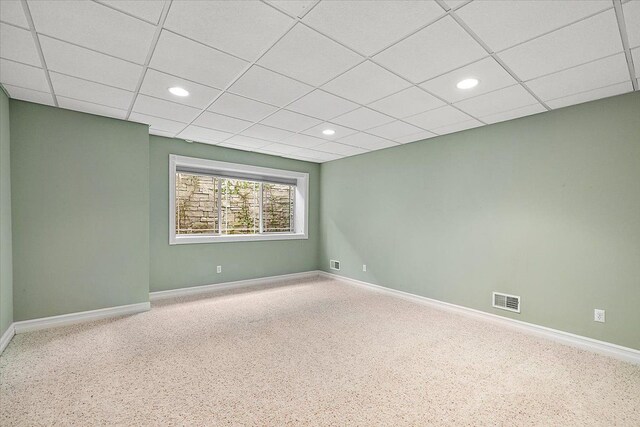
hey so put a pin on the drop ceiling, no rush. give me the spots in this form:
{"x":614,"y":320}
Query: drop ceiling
{"x":270,"y":76}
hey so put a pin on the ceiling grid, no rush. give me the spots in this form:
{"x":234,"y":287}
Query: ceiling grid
{"x":269,"y":76}
{"x":27,"y":14}
{"x":154,"y":43}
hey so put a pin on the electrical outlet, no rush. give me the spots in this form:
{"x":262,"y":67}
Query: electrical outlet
{"x":364,"y":267}
{"x":598,"y":315}
{"x":219,"y":269}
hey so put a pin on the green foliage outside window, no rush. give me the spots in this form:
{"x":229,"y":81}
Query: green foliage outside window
{"x":197,"y":210}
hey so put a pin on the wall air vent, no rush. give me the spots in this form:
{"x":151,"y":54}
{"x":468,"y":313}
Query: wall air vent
{"x":334,"y":265}
{"x":506,"y":302}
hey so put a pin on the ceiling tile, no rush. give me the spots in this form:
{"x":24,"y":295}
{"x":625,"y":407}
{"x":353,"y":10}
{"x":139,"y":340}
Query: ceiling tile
{"x":95,"y":26}
{"x":288,"y":120}
{"x":18,"y":45}
{"x":439,"y":117}
{"x":164,"y":109}
{"x":220,"y":122}
{"x":585,"y":41}
{"x":280,"y":148}
{"x":501,"y":24}
{"x":514,"y":114}
{"x":407,"y":103}
{"x":340,"y":131}
{"x":370,"y":26}
{"x":490,"y":74}
{"x":96,"y":93}
{"x":149,"y":10}
{"x":237,"y":147}
{"x":631,"y":12}
{"x":445,"y":40}
{"x":563,"y":66}
{"x":327,"y":157}
{"x":267,"y":86}
{"x":302,"y":158}
{"x":591,"y":95}
{"x":394,"y":130}
{"x":635,"y":53}
{"x":455,"y":3}
{"x":157,"y":84}
{"x":301,"y":140}
{"x":21,"y":75}
{"x":245,"y":142}
{"x":415,"y":137}
{"x":243,"y":108}
{"x":309,"y":56}
{"x":341,"y":149}
{"x":23,"y":94}
{"x":457,"y":127}
{"x":11,"y":11}
{"x":362,"y":118}
{"x":369,"y":142}
{"x":322,"y":104}
{"x":157,"y":123}
{"x":592,"y":75}
{"x":88,"y":107}
{"x":89,"y":65}
{"x":157,"y":132}
{"x":264,"y":150}
{"x":296,"y":8}
{"x":182,"y":57}
{"x":200,"y":134}
{"x":497,"y":101}
{"x":241,"y":28}
{"x":267,"y":133}
{"x":366,"y":83}
{"x":317,"y":155}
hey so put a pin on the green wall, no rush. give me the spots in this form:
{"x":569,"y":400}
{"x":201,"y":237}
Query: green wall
{"x":90,"y":210}
{"x":178,"y":266}
{"x":80,"y":186}
{"x":546,"y":207}
{"x":6,"y":276}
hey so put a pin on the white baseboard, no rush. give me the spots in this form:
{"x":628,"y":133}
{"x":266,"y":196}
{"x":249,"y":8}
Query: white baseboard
{"x":195,"y":290}
{"x":578,"y":341}
{"x":602,"y":347}
{"x":6,"y":337}
{"x":83,"y":316}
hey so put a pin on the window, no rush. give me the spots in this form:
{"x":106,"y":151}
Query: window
{"x":196,"y":204}
{"x":277,"y":208}
{"x":240,"y":206}
{"x":213,"y":201}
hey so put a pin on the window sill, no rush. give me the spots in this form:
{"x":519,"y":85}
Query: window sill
{"x":186,"y":240}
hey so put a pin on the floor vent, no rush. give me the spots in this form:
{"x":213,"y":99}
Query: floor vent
{"x":506,"y":302}
{"x":334,"y":265}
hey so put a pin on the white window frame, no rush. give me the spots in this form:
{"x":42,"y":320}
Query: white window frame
{"x":301,"y":201}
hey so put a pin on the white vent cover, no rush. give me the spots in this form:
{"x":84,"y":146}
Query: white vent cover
{"x":506,"y":302}
{"x":334,"y":265}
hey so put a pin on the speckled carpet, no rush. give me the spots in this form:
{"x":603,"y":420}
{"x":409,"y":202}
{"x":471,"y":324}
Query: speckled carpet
{"x":312,"y":352}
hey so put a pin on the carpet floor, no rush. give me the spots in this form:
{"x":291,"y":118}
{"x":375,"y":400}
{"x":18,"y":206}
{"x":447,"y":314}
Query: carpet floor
{"x":309,"y":352}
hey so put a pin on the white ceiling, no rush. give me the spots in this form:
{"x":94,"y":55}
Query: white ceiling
{"x":270,"y":76}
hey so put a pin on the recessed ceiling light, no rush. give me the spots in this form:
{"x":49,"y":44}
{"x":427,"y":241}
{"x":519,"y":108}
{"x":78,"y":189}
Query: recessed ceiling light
{"x":328,"y":131}
{"x":467,"y":83}
{"x":178,"y":91}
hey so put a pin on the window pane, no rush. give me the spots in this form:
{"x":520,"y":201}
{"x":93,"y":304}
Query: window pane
{"x":240,"y":207}
{"x":196,"y":204}
{"x":277,"y":208}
